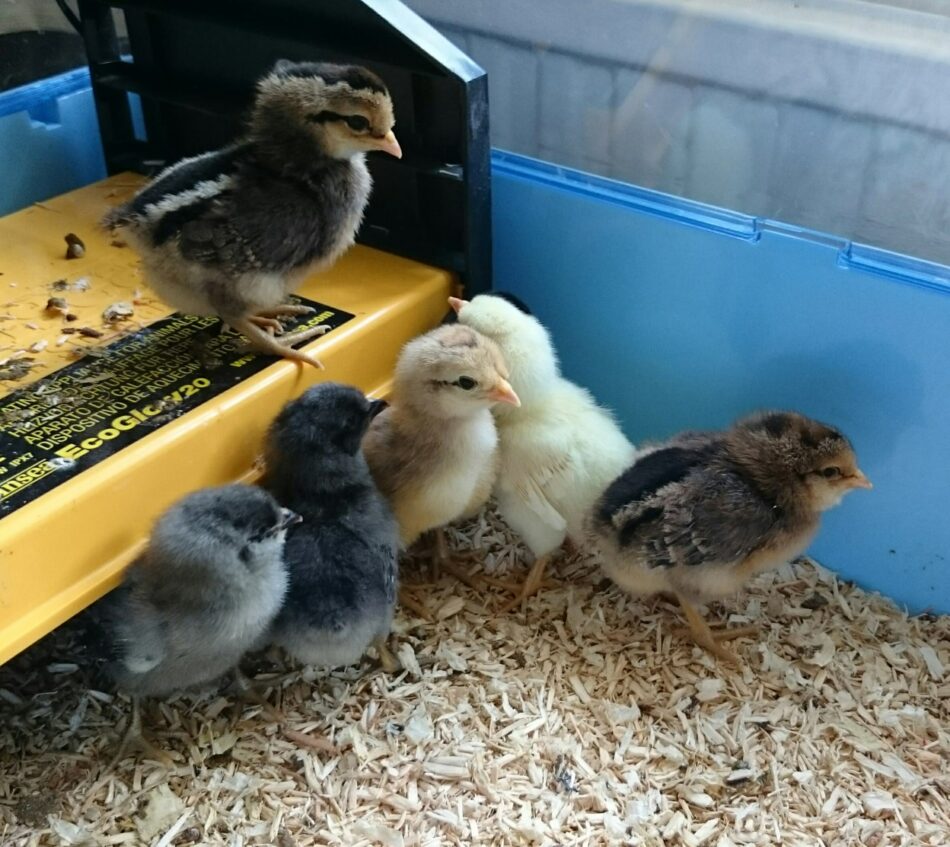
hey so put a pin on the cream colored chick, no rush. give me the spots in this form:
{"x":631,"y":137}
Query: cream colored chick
{"x":433,"y":452}
{"x":559,"y":450}
{"x":701,"y":514}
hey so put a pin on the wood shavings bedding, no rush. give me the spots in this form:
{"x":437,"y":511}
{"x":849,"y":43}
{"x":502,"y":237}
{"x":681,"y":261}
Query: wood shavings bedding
{"x":582,"y":721}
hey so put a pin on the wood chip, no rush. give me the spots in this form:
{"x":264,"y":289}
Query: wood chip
{"x":583,"y":719}
{"x":450,"y":608}
{"x":934,"y":665}
{"x":162,"y":808}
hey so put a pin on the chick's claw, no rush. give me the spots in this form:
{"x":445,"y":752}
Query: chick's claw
{"x":134,"y":740}
{"x":248,"y":692}
{"x":721,"y":633}
{"x":533,"y":583}
{"x":387,"y":660}
{"x":287,"y":309}
{"x":268,"y":324}
{"x":283,"y":348}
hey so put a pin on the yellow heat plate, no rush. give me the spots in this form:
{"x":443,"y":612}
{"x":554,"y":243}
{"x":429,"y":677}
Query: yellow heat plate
{"x":76,"y":500}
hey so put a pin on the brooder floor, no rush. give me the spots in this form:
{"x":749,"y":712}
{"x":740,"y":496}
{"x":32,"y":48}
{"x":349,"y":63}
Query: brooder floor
{"x":581,"y":720}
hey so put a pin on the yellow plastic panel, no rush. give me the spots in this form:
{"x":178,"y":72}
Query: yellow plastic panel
{"x":61,"y":551}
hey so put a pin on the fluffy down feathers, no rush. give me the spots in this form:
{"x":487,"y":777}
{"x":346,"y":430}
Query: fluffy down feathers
{"x":559,"y":450}
{"x":434,"y":451}
{"x":704,"y":512}
{"x":205,"y":591}
{"x":234,"y":232}
{"x":342,"y":558}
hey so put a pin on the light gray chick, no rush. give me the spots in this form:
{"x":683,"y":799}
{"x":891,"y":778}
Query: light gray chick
{"x":204,"y":592}
{"x":342,"y":559}
{"x":234,"y":232}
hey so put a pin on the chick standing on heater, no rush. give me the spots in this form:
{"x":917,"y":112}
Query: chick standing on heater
{"x":558,"y":451}
{"x":433,"y":452}
{"x":234,"y":232}
{"x":703,"y":513}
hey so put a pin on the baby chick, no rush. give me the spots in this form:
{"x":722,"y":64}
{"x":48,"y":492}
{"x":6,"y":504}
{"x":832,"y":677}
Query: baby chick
{"x":342,"y":559}
{"x":433,"y":451}
{"x":451,"y":317}
{"x":205,"y":591}
{"x":234,"y":232}
{"x":703,"y":513}
{"x":558,"y":451}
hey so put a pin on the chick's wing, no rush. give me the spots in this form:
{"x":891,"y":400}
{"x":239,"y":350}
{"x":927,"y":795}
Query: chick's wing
{"x":708,"y":518}
{"x":534,"y":471}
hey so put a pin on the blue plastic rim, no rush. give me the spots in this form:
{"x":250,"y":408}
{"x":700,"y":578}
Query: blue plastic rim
{"x":679,"y":315}
{"x":37,"y":98}
{"x":49,"y":139}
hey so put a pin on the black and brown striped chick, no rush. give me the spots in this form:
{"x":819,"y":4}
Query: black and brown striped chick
{"x":700,"y":515}
{"x":234,"y":232}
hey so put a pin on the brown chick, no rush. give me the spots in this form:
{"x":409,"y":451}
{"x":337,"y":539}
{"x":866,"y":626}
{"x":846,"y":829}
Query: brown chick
{"x":702,"y":514}
{"x":433,"y":452}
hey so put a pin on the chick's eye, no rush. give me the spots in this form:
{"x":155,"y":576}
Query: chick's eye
{"x":831,"y":472}
{"x":466,"y":383}
{"x":357,"y":123}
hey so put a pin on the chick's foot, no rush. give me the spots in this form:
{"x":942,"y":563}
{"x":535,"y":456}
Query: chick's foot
{"x":271,"y":326}
{"x":134,"y":740}
{"x":286,"y":309}
{"x":533,"y":583}
{"x":248,"y":692}
{"x":266,"y":343}
{"x":447,"y":561}
{"x":387,"y":660}
{"x":708,"y":638}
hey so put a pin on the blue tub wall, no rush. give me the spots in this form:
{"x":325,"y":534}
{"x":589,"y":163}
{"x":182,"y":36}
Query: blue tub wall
{"x":681,"y":317}
{"x":49,"y":140}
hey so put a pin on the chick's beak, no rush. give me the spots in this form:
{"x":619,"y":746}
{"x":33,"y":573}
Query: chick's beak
{"x":859,"y":480}
{"x":388,"y":144}
{"x":375,"y":407}
{"x":504,"y":393}
{"x":456,"y":303}
{"x":289,"y":518}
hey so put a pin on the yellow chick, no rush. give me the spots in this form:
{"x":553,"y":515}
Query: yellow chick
{"x":558,"y":451}
{"x":433,"y":452}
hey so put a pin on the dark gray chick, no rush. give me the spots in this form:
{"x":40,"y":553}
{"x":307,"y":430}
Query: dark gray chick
{"x":206,"y":590}
{"x":234,"y":232}
{"x":342,"y":559}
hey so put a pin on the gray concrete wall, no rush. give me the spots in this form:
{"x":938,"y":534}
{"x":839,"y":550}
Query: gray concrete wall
{"x":828,"y":114}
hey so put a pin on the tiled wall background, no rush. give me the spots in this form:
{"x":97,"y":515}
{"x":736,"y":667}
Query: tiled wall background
{"x":829,"y":114}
